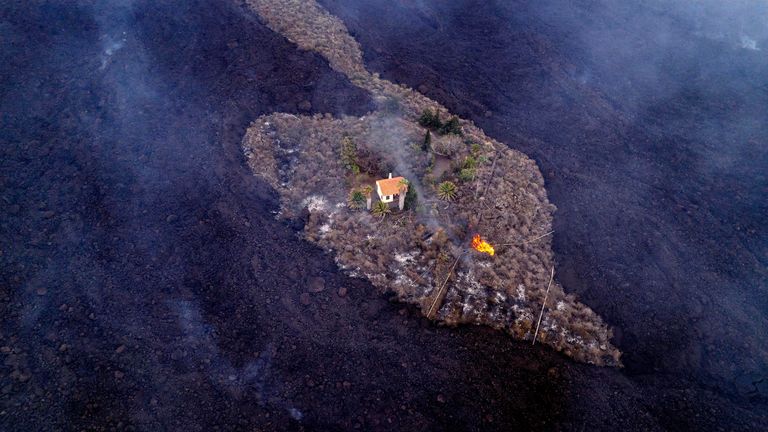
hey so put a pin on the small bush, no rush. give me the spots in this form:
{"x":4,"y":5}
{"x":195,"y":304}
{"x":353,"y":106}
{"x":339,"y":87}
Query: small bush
{"x":447,"y":191}
{"x":372,"y":162}
{"x":380,"y":209}
{"x":356,"y":199}
{"x":451,"y":126}
{"x":447,"y":145}
{"x":469,"y":163}
{"x":467,"y":174}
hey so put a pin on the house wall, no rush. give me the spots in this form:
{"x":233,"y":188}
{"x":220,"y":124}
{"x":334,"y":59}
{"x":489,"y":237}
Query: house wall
{"x":385,"y":198}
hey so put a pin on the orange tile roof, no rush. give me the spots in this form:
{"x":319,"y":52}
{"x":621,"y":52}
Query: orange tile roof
{"x":389,"y":186}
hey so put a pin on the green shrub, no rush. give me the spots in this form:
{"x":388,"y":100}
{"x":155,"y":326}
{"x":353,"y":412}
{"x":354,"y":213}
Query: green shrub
{"x":426,"y":145}
{"x":411,"y":199}
{"x":380,"y":209}
{"x":349,"y":155}
{"x":447,"y":191}
{"x":356,"y":199}
{"x":467,"y":174}
{"x":430,"y":120}
{"x":469,"y":163}
{"x":451,"y":126}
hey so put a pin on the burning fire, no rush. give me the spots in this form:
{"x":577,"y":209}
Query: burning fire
{"x":481,"y":245}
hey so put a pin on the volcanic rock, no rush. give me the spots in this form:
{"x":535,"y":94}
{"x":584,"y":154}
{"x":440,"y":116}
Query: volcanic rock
{"x":305,"y":299}
{"x":316,"y":284}
{"x":305,"y":105}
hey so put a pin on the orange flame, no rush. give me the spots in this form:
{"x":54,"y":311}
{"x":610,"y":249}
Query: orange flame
{"x":481,"y":245}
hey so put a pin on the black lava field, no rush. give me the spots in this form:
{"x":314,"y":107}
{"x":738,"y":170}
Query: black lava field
{"x":145,"y":283}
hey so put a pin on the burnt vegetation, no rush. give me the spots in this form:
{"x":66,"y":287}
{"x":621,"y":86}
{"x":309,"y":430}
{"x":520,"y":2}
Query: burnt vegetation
{"x":422,"y":253}
{"x":424,"y":248}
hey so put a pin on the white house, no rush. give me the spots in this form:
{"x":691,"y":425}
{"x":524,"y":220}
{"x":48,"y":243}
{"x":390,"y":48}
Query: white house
{"x":389,"y":188}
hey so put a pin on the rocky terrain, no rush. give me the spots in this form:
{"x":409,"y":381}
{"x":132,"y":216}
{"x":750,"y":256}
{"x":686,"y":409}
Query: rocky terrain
{"x":145,"y":283}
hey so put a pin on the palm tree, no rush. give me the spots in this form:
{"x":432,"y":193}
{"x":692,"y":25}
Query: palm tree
{"x":402,"y":189}
{"x":367,"y":191}
{"x":446,"y":191}
{"x":356,"y":199}
{"x":381,"y":209}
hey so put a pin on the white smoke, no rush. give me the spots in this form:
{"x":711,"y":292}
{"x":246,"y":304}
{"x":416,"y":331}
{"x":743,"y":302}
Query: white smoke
{"x":110,"y":47}
{"x":749,"y":43}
